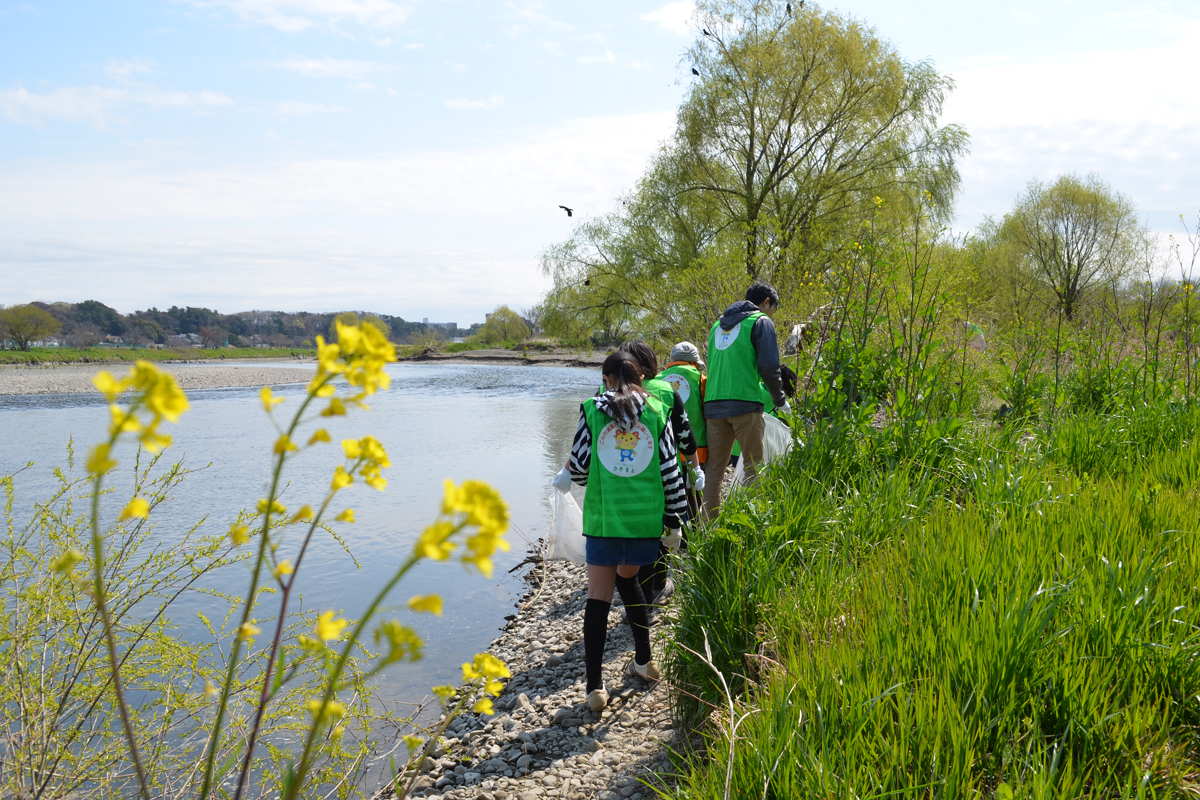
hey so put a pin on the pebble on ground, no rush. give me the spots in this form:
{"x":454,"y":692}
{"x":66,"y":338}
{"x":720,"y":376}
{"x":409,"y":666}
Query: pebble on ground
{"x":544,"y":741}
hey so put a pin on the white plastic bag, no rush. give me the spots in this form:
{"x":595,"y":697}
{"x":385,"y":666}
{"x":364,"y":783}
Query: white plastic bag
{"x":777,"y":440}
{"x":565,"y":541}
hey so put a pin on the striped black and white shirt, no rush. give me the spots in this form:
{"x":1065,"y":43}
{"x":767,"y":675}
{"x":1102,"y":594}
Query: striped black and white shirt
{"x":674,"y":492}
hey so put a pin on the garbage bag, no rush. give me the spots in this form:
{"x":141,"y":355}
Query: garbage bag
{"x":777,"y":440}
{"x":565,"y":541}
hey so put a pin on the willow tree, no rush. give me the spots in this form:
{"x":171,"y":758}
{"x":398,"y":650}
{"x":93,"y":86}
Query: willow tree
{"x":1071,"y":235}
{"x":800,"y":117}
{"x":798,"y":122}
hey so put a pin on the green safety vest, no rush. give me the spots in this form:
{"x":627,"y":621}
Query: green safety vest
{"x":624,"y":496}
{"x":733,"y":364}
{"x":686,"y":381}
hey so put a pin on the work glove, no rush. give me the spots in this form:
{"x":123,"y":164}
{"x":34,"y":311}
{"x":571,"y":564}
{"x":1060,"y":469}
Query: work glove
{"x":785,"y":409}
{"x":562,"y":481}
{"x":673,"y":538}
{"x":696,"y":479}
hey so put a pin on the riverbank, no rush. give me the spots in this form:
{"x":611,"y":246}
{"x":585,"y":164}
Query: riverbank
{"x":543,"y":741}
{"x":46,"y":356}
{"x":531,"y":358}
{"x":77,"y":378}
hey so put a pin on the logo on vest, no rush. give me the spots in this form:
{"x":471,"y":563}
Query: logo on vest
{"x":682,"y":387}
{"x":625,"y":453}
{"x":727,"y":337}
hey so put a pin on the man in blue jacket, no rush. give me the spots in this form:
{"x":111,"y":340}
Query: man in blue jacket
{"x":742,"y":353}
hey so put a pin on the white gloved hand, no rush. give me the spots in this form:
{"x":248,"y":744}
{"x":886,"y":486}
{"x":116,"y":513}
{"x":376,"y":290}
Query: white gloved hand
{"x":786,"y":408}
{"x":697,"y":476}
{"x":562,"y":481}
{"x":673,"y":538}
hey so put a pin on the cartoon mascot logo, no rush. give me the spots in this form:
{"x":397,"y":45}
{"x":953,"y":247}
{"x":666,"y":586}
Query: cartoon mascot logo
{"x":625,"y":452}
{"x":626,"y":441}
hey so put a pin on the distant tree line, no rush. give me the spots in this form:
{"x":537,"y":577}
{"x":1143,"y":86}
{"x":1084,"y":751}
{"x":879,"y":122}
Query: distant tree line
{"x":90,"y":322}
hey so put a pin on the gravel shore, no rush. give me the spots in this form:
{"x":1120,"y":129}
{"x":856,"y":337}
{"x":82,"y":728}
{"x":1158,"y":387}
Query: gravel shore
{"x":544,"y":742}
{"x":77,"y":378}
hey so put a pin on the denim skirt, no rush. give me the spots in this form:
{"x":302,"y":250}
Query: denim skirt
{"x":619,"y":551}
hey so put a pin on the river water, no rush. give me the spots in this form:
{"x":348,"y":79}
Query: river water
{"x":508,"y":426}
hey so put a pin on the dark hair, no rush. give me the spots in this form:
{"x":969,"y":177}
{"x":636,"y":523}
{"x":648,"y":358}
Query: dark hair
{"x":760,"y":291}
{"x":622,"y":366}
{"x":643,"y":354}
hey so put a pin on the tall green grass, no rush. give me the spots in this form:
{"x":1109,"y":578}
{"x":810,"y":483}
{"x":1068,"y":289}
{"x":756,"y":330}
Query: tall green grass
{"x":1018,"y":620}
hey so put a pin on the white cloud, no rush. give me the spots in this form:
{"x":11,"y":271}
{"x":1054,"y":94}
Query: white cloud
{"x":294,"y":108}
{"x":294,"y":16}
{"x":328,"y":67}
{"x":674,"y":17}
{"x":1119,"y":113}
{"x":495,"y":101}
{"x":321,"y":233}
{"x":95,"y":105}
{"x":123,"y":71}
{"x":90,"y":104}
{"x":608,"y":58}
{"x":415,"y":46}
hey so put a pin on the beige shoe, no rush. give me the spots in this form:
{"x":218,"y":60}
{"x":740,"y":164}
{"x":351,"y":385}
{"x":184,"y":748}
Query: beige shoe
{"x":648,"y":671}
{"x":597,"y":699}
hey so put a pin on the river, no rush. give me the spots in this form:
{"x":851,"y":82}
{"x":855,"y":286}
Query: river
{"x":508,"y":426}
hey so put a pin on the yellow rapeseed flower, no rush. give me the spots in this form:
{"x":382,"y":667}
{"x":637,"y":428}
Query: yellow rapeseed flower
{"x":341,"y":479}
{"x":413,"y":742}
{"x":428,"y":603}
{"x":319,"y":435}
{"x":283,"y":568}
{"x":161,"y":394}
{"x":305,"y":514}
{"x":324,"y":712}
{"x":483,"y":706}
{"x":335,"y":409}
{"x":98,"y":461}
{"x":403,"y":643}
{"x":248,"y":631}
{"x":109,"y":386}
{"x":66,"y":561}
{"x":284,"y":445}
{"x":351,"y":447}
{"x":434,"y":542}
{"x":346,"y":516}
{"x":483,"y":507}
{"x":122,"y":421}
{"x":137,"y":508}
{"x":268,"y":399}
{"x":240,"y":534}
{"x":275,"y":507}
{"x":329,"y":628}
{"x":444,"y":692}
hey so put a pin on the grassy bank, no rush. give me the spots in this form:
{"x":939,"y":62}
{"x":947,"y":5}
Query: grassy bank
{"x":995,"y":615}
{"x":71,"y":355}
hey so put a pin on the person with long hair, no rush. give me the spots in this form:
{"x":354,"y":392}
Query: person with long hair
{"x":656,"y":583}
{"x":624,"y":453}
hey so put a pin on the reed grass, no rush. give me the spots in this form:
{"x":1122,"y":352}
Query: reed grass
{"x":1017,"y":619}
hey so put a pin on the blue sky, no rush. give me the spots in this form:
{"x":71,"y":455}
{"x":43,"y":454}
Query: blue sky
{"x":409,"y":157}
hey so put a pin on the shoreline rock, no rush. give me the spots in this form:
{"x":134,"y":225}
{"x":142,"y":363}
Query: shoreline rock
{"x":543,"y":741}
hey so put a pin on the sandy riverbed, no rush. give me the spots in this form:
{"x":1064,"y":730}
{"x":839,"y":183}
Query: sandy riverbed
{"x":77,"y":378}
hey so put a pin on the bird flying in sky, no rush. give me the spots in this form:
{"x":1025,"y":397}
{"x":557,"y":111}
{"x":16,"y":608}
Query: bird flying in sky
{"x":570,"y":211}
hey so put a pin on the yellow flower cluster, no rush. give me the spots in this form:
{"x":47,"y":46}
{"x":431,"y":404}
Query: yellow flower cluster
{"x":324,"y":712}
{"x":156,"y":392}
{"x":473,"y":504}
{"x":490,"y":670}
{"x":360,"y":354}
{"x":371,"y":458}
{"x":403,"y":642}
{"x":483,"y":507}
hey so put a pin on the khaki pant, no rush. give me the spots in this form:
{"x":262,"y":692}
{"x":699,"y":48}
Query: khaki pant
{"x":747,"y":430}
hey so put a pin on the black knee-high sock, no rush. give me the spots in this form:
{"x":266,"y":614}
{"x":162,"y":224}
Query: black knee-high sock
{"x":647,"y":575}
{"x":595,"y":631}
{"x":639,"y":620}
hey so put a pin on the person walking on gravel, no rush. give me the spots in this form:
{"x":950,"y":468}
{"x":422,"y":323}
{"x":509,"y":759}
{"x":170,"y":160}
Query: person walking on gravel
{"x":743,"y":356}
{"x":624,"y":452}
